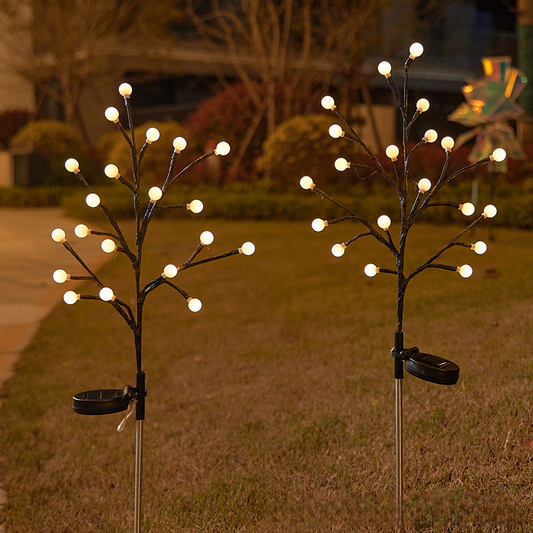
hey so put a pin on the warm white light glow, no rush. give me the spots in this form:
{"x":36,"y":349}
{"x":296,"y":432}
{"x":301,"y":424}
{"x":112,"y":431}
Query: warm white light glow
{"x":371,"y":270}
{"x":465,"y":271}
{"x":170,"y":271}
{"x":335,"y":131}
{"x":196,"y":206}
{"x":70,"y":297}
{"x":155,"y":194}
{"x":108,"y":246}
{"x":392,"y":152}
{"x":72,"y":165}
{"x":106,"y":294}
{"x":422,"y":105}
{"x":60,"y":276}
{"x":447,"y":143}
{"x":431,"y":136}
{"x":424,"y":185}
{"x":306,"y":183}
{"x":416,"y":50}
{"x":490,"y":211}
{"x":318,"y":224}
{"x":207,"y":238}
{"x":222,"y":148}
{"x":125,"y":89}
{"x":384,"y":68}
{"x":328,"y":102}
{"x":341,"y":164}
{"x":59,"y":235}
{"x":479,"y":247}
{"x":498,"y":155}
{"x":81,"y":231}
{"x":152,"y":135}
{"x":92,"y":200}
{"x":179,"y":144}
{"x":248,"y":248}
{"x":111,"y":171}
{"x":384,"y":222}
{"x":467,"y":209}
{"x":338,"y":249}
{"x":112,"y":114}
{"x":194,"y":304}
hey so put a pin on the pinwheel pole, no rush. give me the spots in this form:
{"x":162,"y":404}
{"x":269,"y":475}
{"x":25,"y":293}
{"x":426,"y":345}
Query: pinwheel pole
{"x":133,"y":399}
{"x":422,"y":365}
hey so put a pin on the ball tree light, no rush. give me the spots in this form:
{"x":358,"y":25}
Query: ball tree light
{"x":414,"y":200}
{"x":133,"y":399}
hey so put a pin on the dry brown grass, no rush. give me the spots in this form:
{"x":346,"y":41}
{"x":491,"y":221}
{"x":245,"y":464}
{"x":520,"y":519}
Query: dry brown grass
{"x":272,"y":410}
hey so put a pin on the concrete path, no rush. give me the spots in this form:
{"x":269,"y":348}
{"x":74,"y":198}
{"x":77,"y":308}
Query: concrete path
{"x":28,"y":258}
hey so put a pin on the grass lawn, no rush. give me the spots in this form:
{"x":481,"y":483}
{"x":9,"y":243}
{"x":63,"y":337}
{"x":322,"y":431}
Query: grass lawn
{"x":272,"y":410}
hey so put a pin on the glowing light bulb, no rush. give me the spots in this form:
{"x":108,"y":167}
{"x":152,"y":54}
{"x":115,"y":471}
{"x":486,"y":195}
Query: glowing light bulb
{"x":430,"y":136}
{"x":416,"y":50}
{"x":248,"y":248}
{"x":81,"y":231}
{"x":194,"y":304}
{"x":111,"y":171}
{"x":125,"y":90}
{"x":108,"y":246}
{"x":222,"y":148}
{"x":92,"y":200}
{"x":59,"y":235}
{"x":341,"y":164}
{"x":338,"y":249}
{"x":392,"y":152}
{"x":465,"y":271}
{"x":106,"y":294}
{"x":60,"y":276}
{"x":498,"y":155}
{"x":306,"y":182}
{"x":328,"y":102}
{"x":152,"y":135}
{"x":422,"y":105}
{"x":447,"y":143}
{"x":424,"y":185}
{"x":170,"y":271}
{"x":70,"y":297}
{"x":318,"y":224}
{"x":196,"y":206}
{"x":479,"y":247}
{"x":72,"y":165}
{"x":179,"y":144}
{"x":384,"y":222}
{"x":155,"y":194}
{"x":371,"y":270}
{"x":467,"y":209}
{"x":207,"y":238}
{"x":112,"y":114}
{"x":490,"y":211}
{"x":335,"y":131}
{"x":384,"y":68}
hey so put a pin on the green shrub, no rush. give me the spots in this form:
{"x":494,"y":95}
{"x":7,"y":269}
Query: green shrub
{"x":33,"y":196}
{"x":56,"y":141}
{"x":302,"y":146}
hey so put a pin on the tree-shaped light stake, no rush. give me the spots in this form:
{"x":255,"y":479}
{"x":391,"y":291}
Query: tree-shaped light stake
{"x":132,"y":399}
{"x":422,"y":365}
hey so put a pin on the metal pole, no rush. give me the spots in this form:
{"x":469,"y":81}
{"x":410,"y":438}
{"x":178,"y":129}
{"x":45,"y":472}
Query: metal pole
{"x":399,"y":455}
{"x":138,"y":474}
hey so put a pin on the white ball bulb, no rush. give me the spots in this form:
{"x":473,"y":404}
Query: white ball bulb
{"x":338,"y":250}
{"x":222,"y":148}
{"x":465,"y":271}
{"x":422,"y":105}
{"x":479,"y":247}
{"x":424,"y":185}
{"x":152,"y":135}
{"x":125,"y":89}
{"x":60,"y":276}
{"x":170,"y":271}
{"x":335,"y":131}
{"x":112,"y":114}
{"x":106,"y":294}
{"x":341,"y":164}
{"x":328,"y":102}
{"x":248,"y":248}
{"x":155,"y":194}
{"x":58,"y":235}
{"x":490,"y":211}
{"x":92,"y":200}
{"x":416,"y":50}
{"x":384,"y":222}
{"x":81,"y":231}
{"x":206,"y":238}
{"x":194,"y":304}
{"x":392,"y":152}
{"x":306,"y":182}
{"x":318,"y":224}
{"x":179,"y":144}
{"x":70,"y":297}
{"x":111,"y":171}
{"x":447,"y":143}
{"x":108,"y":246}
{"x":196,"y":206}
{"x":371,"y":270}
{"x":431,"y":136}
{"x":384,"y":68}
{"x":499,"y":155}
{"x":72,"y":165}
{"x":467,"y":209}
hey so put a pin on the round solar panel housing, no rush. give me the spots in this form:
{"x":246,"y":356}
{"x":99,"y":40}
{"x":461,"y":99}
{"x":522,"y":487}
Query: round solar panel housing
{"x":432,"y":368}
{"x":101,"y":402}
